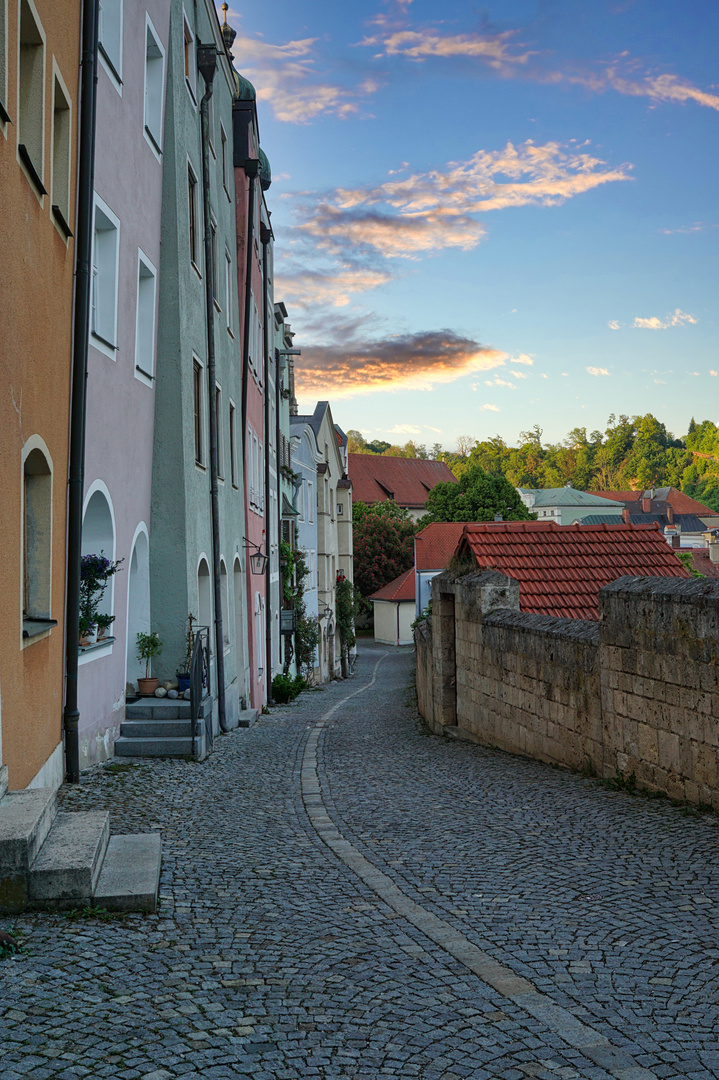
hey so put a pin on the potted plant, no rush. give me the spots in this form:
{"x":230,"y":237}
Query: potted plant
{"x":148,"y":645}
{"x":183,"y":671}
{"x":104,"y":622}
{"x":87,"y":626}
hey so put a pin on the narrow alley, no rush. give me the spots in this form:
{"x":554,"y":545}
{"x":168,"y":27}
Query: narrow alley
{"x":344,"y":895}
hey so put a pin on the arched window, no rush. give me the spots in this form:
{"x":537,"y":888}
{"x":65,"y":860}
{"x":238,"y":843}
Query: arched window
{"x":204,"y":596}
{"x":37,"y":555}
{"x":225,"y":597}
{"x":260,"y":635}
{"x":98,"y":538}
{"x":138,"y":604}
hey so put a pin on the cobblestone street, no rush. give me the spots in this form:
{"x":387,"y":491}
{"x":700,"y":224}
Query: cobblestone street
{"x":343,"y":895}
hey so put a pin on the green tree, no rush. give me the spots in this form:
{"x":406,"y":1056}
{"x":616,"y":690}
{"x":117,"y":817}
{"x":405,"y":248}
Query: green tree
{"x":476,"y":497}
{"x":383,"y":539}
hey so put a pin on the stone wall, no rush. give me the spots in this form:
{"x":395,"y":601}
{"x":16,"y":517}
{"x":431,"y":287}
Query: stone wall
{"x":636,"y":693}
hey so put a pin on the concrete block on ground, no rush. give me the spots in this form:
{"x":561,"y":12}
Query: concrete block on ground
{"x":247,"y":717}
{"x":26,"y":818}
{"x":130,"y":875}
{"x":154,"y":747}
{"x":149,"y":729}
{"x":67,"y":867}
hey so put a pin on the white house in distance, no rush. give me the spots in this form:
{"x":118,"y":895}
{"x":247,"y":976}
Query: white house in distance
{"x":394,"y":610}
{"x":565,"y":504}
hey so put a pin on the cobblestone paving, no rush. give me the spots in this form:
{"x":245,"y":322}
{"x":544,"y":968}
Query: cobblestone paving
{"x":273,"y":958}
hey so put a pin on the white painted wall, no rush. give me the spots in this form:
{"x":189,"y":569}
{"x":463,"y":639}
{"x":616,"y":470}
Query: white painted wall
{"x":393,"y":622}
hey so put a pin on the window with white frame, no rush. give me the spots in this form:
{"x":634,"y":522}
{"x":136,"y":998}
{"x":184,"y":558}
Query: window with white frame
{"x":110,"y":35}
{"x":225,"y":151}
{"x":154,"y":85}
{"x":310,"y":501}
{"x":190,"y":63}
{"x":31,"y":95}
{"x":193,"y":217}
{"x":61,"y":140}
{"x":301,"y":500}
{"x":215,"y":262}
{"x":145,"y":322}
{"x":198,"y":412}
{"x":228,"y":291}
{"x":220,"y":434}
{"x":261,"y":478}
{"x":233,"y":444}
{"x":4,"y":115}
{"x":37,"y":534}
{"x":211,"y":125}
{"x":105,"y":248}
{"x":259,"y":634}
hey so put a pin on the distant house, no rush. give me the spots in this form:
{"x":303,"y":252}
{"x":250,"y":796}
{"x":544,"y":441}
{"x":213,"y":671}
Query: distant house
{"x":394,"y":610}
{"x":434,"y":546}
{"x":565,"y":504}
{"x":682,"y":519}
{"x":408,"y":481}
{"x":561,"y":570}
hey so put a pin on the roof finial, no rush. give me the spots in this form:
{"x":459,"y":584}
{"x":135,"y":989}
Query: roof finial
{"x":225,"y":8}
{"x":228,"y":33}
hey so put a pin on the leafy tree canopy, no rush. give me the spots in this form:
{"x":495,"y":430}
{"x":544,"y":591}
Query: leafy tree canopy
{"x":383,"y":540}
{"x":477,"y":496}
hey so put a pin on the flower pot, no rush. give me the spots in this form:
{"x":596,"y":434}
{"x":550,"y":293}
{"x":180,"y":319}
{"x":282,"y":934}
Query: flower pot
{"x":147,"y":687}
{"x":84,"y":641}
{"x":102,"y":633}
{"x":183,"y":681}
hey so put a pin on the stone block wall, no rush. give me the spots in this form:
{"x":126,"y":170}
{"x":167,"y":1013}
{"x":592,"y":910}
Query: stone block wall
{"x":636,"y":693}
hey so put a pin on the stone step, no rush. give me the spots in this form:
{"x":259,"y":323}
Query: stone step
{"x":67,"y":868}
{"x":148,"y":729}
{"x":158,"y":709}
{"x":248,"y":717}
{"x":26,"y":818}
{"x":130,"y":875}
{"x":154,"y":747}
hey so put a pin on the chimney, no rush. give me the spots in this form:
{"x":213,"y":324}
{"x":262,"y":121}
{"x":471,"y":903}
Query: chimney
{"x":646,"y":503}
{"x":670,"y":513}
{"x":625,"y":515}
{"x":676,"y":540}
{"x":714,"y":552}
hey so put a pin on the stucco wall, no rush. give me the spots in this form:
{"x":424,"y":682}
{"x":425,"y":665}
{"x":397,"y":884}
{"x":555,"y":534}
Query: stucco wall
{"x":36,"y":295}
{"x":636,"y":694}
{"x":393,"y":622}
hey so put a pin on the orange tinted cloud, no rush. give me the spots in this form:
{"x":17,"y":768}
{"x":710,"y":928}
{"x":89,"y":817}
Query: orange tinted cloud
{"x":307,"y":288}
{"x":410,"y":361}
{"x":493,"y":49}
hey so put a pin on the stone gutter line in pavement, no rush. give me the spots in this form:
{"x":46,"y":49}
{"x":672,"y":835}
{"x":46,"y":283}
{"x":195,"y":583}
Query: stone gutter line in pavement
{"x":595,"y":1046}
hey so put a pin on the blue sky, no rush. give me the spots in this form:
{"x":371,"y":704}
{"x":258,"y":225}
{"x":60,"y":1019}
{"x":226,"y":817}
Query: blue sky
{"x":490,"y":216}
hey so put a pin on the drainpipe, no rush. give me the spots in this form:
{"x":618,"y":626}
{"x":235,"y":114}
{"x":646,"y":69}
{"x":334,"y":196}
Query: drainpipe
{"x":265,"y":235}
{"x":76,"y":472}
{"x":207,"y":64}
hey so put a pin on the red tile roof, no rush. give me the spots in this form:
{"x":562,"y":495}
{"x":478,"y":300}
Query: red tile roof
{"x":561,"y":568}
{"x":401,"y":589}
{"x":679,"y":502}
{"x":436,"y":544}
{"x":406,"y":480}
{"x":701,"y":561}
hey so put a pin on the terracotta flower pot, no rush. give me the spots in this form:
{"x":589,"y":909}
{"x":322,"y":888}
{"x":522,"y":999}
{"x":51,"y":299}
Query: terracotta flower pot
{"x":147,"y":687}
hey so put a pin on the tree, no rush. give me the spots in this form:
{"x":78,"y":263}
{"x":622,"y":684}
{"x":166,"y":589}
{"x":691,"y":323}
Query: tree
{"x":383,"y":538}
{"x":476,"y":497}
{"x":356,"y":442}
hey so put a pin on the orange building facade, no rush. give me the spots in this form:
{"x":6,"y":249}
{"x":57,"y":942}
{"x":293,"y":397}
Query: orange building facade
{"x":39,"y":64}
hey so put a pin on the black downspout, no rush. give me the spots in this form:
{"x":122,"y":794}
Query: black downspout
{"x":76,"y":472}
{"x":265,"y":235}
{"x":207,"y":64}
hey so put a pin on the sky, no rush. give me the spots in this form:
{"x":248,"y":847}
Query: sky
{"x":491,"y":216}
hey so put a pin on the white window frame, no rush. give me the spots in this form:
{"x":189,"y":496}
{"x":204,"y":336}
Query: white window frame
{"x":189,"y":69}
{"x":214,"y":250}
{"x":141,"y":368}
{"x":228,"y":291}
{"x":311,"y":501}
{"x":201,"y":462}
{"x":196,"y":208}
{"x":154,"y":137}
{"x":35,"y":172}
{"x":108,"y":345}
{"x":226,"y":162}
{"x":112,"y":65}
{"x":233,"y":443}
{"x":4,"y":113}
{"x":220,"y":433}
{"x":61,"y":213}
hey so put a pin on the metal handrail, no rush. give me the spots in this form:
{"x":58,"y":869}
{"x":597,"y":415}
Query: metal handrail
{"x":200,"y":686}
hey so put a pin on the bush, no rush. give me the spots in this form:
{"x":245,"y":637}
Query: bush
{"x":285,"y":688}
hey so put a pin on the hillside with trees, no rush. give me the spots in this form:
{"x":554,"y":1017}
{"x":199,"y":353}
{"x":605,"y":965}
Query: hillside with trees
{"x":632,"y":452}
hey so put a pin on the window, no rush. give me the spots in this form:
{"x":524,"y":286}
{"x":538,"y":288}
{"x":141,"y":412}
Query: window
{"x":154,"y":86}
{"x":145,"y":322}
{"x":220,"y":438}
{"x":192,"y":198}
{"x":37,"y":555}
{"x":340,"y":509}
{"x":197,"y":404}
{"x":189,"y":58}
{"x":311,"y":501}
{"x":228,"y":291}
{"x":215,"y":263}
{"x":233,"y":444}
{"x":31,"y":96}
{"x":61,"y":139}
{"x":104,"y":275}
{"x":260,"y":478}
{"x":211,"y":125}
{"x":225,"y":603}
{"x":98,"y":538}
{"x":260,"y":634}
{"x":301,"y":501}
{"x":204,"y":598}
{"x":225,"y":149}
{"x":4,"y":115}
{"x":110,"y":35}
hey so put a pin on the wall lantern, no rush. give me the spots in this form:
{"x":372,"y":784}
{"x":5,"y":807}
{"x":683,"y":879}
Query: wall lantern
{"x":258,"y":560}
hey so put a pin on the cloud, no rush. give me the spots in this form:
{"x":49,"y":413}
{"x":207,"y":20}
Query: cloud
{"x":678,"y":318}
{"x":492,"y":49}
{"x":434,"y":210}
{"x":359,"y":365}
{"x":284,"y":76}
{"x":614,"y":325}
{"x":518,"y":374}
{"x":490,"y":408}
{"x":596,"y":371}
{"x":523,"y":358}
{"x":308,"y":288}
{"x":714,"y":373}
{"x":698,"y":226}
{"x":404,"y":429}
{"x":500,"y":382}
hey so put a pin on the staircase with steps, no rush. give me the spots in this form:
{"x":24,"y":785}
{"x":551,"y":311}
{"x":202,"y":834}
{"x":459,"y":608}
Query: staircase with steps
{"x":51,"y":860}
{"x":160,"y":727}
